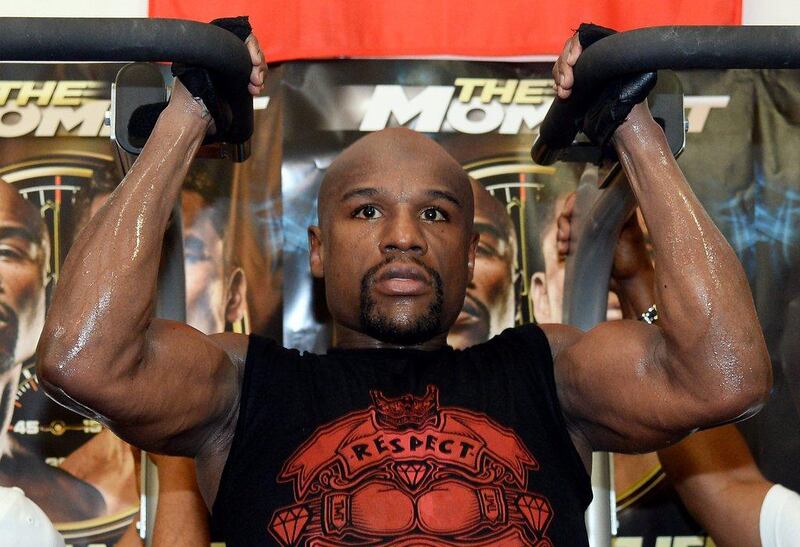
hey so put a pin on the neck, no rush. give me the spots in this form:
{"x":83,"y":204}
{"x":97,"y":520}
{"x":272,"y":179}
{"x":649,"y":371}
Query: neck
{"x":346,"y":338}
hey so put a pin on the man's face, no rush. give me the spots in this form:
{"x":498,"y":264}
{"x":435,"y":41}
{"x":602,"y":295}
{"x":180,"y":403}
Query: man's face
{"x":489,"y":304}
{"x":395,"y":245}
{"x":204,"y":263}
{"x":22,"y":282}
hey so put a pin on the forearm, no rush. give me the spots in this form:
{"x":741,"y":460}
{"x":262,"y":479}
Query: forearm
{"x":731,"y":514}
{"x":718,"y":481}
{"x":636,"y":294}
{"x":103,"y":303}
{"x":181,"y":514}
{"x":712,"y":347}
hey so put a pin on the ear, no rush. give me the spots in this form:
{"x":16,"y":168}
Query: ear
{"x":236,"y":296}
{"x":539,"y":298}
{"x":473,"y":247}
{"x":315,"y":252}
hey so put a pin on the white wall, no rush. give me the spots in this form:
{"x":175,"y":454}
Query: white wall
{"x":771,"y":12}
{"x":73,"y":8}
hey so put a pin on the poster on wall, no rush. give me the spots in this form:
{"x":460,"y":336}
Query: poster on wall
{"x":486,"y":116}
{"x":57,"y":169}
{"x":743,"y":167}
{"x":483,"y":114}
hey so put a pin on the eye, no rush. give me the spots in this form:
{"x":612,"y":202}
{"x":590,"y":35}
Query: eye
{"x":194,"y":257}
{"x":486,"y":250}
{"x":368,"y":212}
{"x":432,"y":214}
{"x":9,"y":252}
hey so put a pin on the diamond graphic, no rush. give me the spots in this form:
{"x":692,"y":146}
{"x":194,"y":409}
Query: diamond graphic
{"x":288,"y":523}
{"x":536,"y":511}
{"x":412,"y":473}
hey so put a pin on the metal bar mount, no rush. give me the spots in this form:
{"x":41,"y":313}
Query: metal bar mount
{"x":60,"y":39}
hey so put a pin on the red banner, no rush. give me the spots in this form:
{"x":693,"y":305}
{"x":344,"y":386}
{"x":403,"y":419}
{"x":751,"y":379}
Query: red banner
{"x":306,"y":29}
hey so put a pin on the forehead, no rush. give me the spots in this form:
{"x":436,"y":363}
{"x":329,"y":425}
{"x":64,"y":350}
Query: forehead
{"x":490,"y":211}
{"x":397,"y":161}
{"x":403,"y":177}
{"x":16,"y":211}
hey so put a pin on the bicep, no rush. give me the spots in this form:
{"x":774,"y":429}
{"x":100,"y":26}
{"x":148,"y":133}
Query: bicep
{"x":617,"y":388}
{"x":182,"y":394}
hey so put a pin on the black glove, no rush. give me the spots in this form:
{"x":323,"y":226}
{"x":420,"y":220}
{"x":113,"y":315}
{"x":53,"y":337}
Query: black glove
{"x":204,"y":85}
{"x":617,"y":99}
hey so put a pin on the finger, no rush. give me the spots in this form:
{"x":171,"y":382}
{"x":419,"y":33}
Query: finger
{"x":558,"y":77}
{"x":256,"y":56}
{"x":563,"y":78}
{"x":567,"y":47}
{"x":569,"y":204}
{"x":564,"y":229}
{"x":575,"y":50}
{"x":258,"y":72}
{"x":558,"y":69}
{"x":566,"y":74}
{"x":257,"y":76}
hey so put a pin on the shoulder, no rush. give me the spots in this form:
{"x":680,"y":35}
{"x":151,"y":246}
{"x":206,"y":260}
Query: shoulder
{"x":560,"y":337}
{"x":234,"y":345}
{"x":239,"y":346}
{"x":554,"y":336}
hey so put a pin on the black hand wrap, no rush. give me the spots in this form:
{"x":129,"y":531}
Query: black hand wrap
{"x":212,"y":90}
{"x":617,"y":98}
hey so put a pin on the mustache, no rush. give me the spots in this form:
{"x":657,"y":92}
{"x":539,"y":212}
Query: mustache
{"x":7,"y":314}
{"x":474,"y":307}
{"x":8,"y":337}
{"x":371,"y":275}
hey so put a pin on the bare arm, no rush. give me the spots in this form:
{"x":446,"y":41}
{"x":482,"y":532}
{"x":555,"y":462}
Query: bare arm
{"x":719,"y":483}
{"x":713,"y":470}
{"x":627,"y":386}
{"x":159,"y":385}
{"x":181,"y":515}
{"x":101,"y":352}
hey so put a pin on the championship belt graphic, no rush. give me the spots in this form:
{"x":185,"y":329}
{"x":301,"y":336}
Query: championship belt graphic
{"x":406,"y":472}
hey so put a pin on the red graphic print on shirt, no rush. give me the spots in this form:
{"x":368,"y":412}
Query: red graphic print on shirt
{"x":406,"y":472}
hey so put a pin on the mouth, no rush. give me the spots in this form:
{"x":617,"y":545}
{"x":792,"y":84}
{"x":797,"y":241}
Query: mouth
{"x":402,"y":280}
{"x":5,"y":315}
{"x":471,"y":313}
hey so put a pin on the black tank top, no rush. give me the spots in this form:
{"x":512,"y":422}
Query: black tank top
{"x":403,"y":447}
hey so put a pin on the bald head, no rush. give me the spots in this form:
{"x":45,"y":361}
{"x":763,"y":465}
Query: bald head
{"x":395,"y":242}
{"x":397,"y":154}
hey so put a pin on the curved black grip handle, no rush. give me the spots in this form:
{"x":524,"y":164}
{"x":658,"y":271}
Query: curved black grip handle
{"x":656,"y":48}
{"x":102,"y":39}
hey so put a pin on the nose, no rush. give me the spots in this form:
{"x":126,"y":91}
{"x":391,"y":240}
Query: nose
{"x":403,"y":234}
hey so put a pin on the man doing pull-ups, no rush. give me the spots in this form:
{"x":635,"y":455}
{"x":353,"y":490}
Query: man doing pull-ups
{"x":392,"y":436}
